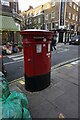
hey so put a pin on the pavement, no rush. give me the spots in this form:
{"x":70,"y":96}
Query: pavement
{"x":57,"y":45}
{"x":60,"y":99}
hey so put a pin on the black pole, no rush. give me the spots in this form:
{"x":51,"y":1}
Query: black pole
{"x":43,"y":19}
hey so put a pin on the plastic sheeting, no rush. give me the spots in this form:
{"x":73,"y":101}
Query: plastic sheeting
{"x":4,"y":89}
{"x":14,"y":104}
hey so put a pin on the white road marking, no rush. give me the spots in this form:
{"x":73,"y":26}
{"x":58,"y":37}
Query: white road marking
{"x":65,"y":50}
{"x":13,"y":62}
{"x":74,"y":63}
{"x":18,"y":58}
{"x":57,"y":51}
{"x":11,"y":56}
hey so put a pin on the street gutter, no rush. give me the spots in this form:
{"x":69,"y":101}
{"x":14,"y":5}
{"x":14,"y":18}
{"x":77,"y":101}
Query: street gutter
{"x":64,"y":63}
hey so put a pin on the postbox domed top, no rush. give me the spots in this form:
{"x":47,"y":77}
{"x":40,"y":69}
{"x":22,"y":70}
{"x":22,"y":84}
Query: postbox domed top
{"x":36,"y":33}
{"x":36,"y":30}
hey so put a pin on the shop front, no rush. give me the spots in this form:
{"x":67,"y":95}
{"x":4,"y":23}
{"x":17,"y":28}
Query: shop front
{"x":7,"y":28}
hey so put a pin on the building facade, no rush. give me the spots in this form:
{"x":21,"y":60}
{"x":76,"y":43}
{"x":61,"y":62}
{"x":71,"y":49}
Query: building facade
{"x":79,"y":18}
{"x":10,"y":21}
{"x":60,"y":16}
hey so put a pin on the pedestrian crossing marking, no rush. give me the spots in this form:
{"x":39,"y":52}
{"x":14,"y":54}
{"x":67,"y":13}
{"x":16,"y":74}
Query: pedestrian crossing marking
{"x":12,"y":56}
{"x":68,"y":65}
{"x":18,"y":58}
{"x":22,"y":82}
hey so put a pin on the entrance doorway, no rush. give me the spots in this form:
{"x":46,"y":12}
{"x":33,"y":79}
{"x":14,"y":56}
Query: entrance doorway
{"x":61,"y":37}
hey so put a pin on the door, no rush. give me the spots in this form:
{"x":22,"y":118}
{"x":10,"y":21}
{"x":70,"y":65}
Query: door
{"x":60,"y":37}
{"x":28,"y":59}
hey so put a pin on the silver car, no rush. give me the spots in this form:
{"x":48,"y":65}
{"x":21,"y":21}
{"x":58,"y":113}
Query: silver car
{"x":75,"y":40}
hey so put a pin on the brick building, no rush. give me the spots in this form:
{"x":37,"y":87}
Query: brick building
{"x":55,"y":15}
{"x":10,"y":21}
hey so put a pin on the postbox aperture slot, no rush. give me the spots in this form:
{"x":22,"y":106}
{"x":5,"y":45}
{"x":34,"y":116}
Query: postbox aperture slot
{"x":38,"y":48}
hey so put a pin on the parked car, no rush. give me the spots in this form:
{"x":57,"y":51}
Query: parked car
{"x":75,"y":40}
{"x":2,"y":66}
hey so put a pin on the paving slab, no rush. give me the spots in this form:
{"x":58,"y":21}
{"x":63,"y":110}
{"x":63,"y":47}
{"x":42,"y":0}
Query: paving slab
{"x":68,"y":102}
{"x":60,"y":97}
{"x":48,"y":111}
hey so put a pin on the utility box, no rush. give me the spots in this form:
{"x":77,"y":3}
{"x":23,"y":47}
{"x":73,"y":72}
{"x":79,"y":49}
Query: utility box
{"x":37,"y":58}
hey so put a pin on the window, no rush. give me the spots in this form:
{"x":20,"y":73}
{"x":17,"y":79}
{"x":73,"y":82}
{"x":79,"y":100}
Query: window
{"x":77,"y":8}
{"x":76,"y":18}
{"x":39,"y":27}
{"x":46,"y":26}
{"x":52,"y":26}
{"x":35,"y":21}
{"x":39,"y":20}
{"x":72,"y":26}
{"x":53,"y":15}
{"x":69,"y":16}
{"x":5,"y":2}
{"x":39,"y":12}
{"x":46,"y":6}
{"x":53,"y":3}
{"x":35,"y":13}
{"x":70,"y":3}
{"x":30,"y":21}
{"x":30,"y":13}
{"x":18,"y":26}
{"x":13,"y":10}
{"x":73,"y":17}
{"x":74,"y":6}
{"x":27,"y":20}
{"x":46,"y":17}
{"x":68,"y":26}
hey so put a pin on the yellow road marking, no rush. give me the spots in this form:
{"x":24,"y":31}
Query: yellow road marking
{"x":61,"y":115}
{"x":68,"y":65}
{"x":22,"y":82}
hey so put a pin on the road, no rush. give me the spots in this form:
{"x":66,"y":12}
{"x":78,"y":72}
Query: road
{"x":14,"y":64}
{"x":65,"y":53}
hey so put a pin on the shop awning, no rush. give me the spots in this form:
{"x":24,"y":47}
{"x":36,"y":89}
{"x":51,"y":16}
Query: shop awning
{"x":7,"y":24}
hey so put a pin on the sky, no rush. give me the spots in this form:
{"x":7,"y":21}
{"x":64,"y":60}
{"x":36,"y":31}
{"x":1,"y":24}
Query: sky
{"x":24,"y":4}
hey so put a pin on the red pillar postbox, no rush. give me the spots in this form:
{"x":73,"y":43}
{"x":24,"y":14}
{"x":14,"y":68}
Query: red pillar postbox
{"x":37,"y":58}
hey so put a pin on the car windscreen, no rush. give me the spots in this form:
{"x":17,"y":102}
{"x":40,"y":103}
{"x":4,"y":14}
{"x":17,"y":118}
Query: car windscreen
{"x":76,"y":37}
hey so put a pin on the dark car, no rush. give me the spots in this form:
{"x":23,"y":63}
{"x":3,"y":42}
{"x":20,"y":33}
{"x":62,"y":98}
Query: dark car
{"x":2,"y":66}
{"x":75,"y":40}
